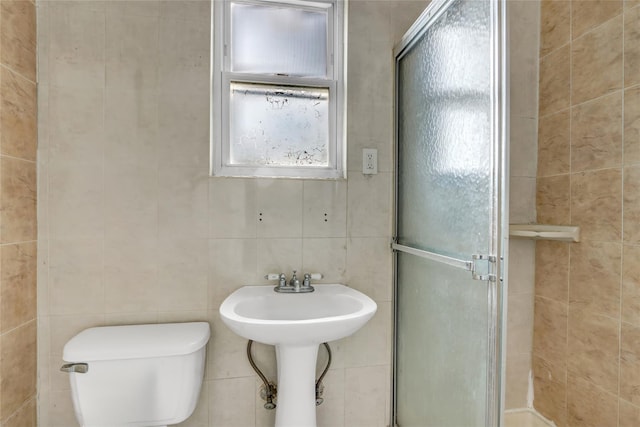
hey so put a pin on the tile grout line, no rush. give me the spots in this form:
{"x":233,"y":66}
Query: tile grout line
{"x":566,"y":373}
{"x":622,"y":252}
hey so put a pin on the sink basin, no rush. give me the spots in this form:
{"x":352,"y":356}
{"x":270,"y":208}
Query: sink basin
{"x":329,"y":313}
{"x":296,"y":323}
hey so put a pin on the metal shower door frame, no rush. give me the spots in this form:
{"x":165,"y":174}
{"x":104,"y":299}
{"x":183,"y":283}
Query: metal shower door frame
{"x":497,"y":287}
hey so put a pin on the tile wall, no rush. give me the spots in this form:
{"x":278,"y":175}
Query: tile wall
{"x":18,"y":130}
{"x":133,"y":230}
{"x":524,"y":30}
{"x":586,"y":336}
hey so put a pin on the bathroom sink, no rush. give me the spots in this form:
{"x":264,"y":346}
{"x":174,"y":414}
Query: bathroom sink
{"x":296,"y":323}
{"x":330,"y":313}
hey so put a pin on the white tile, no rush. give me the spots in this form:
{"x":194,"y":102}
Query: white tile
{"x":325,"y":209}
{"x":130,"y":275}
{"x":331,"y":412}
{"x":520,"y":324}
{"x":524,"y":36}
{"x":134,"y":318}
{"x":370,"y":75}
{"x":44,"y":124}
{"x":522,"y":265}
{"x":141,"y":8}
{"x":185,"y":48}
{"x":369,"y":20}
{"x":366,"y":396}
{"x":232,"y":402}
{"x":323,"y":359}
{"x":370,"y":126}
{"x":265,"y":358}
{"x":42,"y":293}
{"x":182,"y":274}
{"x":371,"y":345}
{"x":183,"y":122}
{"x":44,"y":351}
{"x":131,"y":53}
{"x":200,"y":416}
{"x":369,"y":205}
{"x":131,"y":202}
{"x":338,"y":356}
{"x":42,"y":42}
{"x":44,"y":337}
{"x":43,"y":407}
{"x":60,"y":410}
{"x":227,"y":355}
{"x":76,"y":34}
{"x":232,"y":208}
{"x":76,"y":111}
{"x":280,"y":256}
{"x":189,"y":10}
{"x":404,"y":14}
{"x":75,"y":277}
{"x":517,"y":381}
{"x":279,"y":208}
{"x":522,"y":200}
{"x":131,"y":127}
{"x":264,"y":417}
{"x":185,"y":316}
{"x":369,"y":267}
{"x":232,"y":264}
{"x":523,"y":146}
{"x":183,"y":208}
{"x":76,"y":124}
{"x":58,"y":380}
{"x":325,"y":256}
{"x":75,"y":205}
{"x":63,"y":328}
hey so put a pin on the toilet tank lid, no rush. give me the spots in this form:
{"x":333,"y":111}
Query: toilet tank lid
{"x":136,"y":341}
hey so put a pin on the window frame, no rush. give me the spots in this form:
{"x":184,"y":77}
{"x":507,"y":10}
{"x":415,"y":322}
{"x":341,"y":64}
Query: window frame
{"x":222,"y":76}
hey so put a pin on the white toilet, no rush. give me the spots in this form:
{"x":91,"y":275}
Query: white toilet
{"x":136,"y":375}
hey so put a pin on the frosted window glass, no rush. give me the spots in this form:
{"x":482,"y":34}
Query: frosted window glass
{"x":278,"y":125}
{"x":445,"y":139}
{"x":278,"y":40}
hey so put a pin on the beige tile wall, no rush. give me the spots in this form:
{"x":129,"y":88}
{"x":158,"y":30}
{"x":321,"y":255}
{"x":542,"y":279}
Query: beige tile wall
{"x":132,"y":228}
{"x":18,"y":129}
{"x":524,"y":33}
{"x":586,"y":354}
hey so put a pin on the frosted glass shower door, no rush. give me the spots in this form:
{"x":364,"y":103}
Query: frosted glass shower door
{"x":449,"y":216}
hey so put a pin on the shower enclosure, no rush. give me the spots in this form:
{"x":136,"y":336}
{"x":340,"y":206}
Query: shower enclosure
{"x":450,"y":245}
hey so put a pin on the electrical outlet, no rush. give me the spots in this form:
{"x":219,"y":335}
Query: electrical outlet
{"x":369,"y":161}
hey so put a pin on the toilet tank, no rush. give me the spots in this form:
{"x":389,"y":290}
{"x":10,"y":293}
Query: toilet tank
{"x":137,"y":375}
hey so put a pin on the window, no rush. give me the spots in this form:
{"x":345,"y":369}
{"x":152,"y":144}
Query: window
{"x":278,"y":88}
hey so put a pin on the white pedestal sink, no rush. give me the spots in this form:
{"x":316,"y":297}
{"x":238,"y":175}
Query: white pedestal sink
{"x":296,"y":323}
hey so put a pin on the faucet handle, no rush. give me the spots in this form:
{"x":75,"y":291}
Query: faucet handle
{"x":273,"y":276}
{"x":308,"y":277}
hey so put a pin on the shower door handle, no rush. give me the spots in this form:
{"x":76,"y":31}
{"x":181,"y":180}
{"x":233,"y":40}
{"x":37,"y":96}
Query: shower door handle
{"x":470,"y":265}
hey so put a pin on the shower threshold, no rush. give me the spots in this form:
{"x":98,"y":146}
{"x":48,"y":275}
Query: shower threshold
{"x":525,"y":418}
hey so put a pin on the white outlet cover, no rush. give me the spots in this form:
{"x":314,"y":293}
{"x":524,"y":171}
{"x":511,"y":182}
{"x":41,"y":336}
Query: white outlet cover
{"x":369,"y":161}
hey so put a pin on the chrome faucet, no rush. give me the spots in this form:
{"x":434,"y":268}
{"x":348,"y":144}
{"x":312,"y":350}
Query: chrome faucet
{"x":294,"y":282}
{"x":294,"y":286}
